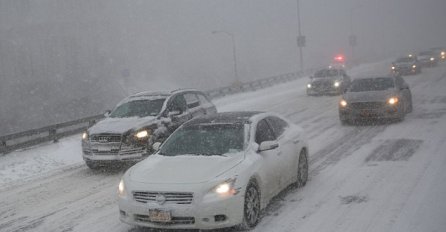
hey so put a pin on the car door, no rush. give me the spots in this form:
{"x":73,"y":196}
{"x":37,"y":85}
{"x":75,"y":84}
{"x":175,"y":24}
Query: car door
{"x":271,"y":160}
{"x":193,"y":105}
{"x":206,"y":104}
{"x":288,"y":149}
{"x":177,"y":112}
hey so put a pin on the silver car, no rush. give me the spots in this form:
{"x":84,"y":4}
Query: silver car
{"x":375,"y":98}
{"x":128,"y":132}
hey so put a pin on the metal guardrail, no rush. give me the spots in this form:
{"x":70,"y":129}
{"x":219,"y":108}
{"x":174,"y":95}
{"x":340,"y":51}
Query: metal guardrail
{"x":53,"y":133}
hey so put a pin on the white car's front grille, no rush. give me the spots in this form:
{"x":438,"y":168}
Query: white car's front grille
{"x":105,"y":138}
{"x":164,"y":197}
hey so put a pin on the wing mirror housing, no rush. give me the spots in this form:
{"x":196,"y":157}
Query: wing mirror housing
{"x":268,"y":145}
{"x":156,"y":146}
{"x":107,"y":113}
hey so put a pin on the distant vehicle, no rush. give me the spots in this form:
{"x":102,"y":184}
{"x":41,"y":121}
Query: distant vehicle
{"x":440,"y":53}
{"x":376,"y":98}
{"x":214,"y":172}
{"x":128,"y":132}
{"x":428,"y":58}
{"x":328,"y":81}
{"x":406,"y":65}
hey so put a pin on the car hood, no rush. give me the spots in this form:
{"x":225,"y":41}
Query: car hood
{"x":184,"y":169}
{"x":120,"y":125}
{"x":424,"y":57}
{"x":370,"y":96}
{"x":324,"y":79}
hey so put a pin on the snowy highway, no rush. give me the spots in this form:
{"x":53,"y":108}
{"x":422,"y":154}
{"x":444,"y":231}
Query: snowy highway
{"x":377,"y":177}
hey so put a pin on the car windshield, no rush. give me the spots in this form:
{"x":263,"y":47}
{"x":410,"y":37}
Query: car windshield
{"x":138,"y":108}
{"x":371,"y":84}
{"x":327,"y":73}
{"x":208,"y":139}
{"x":405,"y":59}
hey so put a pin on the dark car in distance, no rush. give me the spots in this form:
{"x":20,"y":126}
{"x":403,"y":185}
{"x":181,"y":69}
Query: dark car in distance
{"x":428,"y":58}
{"x":330,"y":81}
{"x":406,"y":66}
{"x":128,"y":132}
{"x":375,"y":98}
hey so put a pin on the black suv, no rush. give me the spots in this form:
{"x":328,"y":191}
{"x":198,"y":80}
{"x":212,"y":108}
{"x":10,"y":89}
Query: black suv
{"x":406,"y":65}
{"x":328,"y":81}
{"x":128,"y":132}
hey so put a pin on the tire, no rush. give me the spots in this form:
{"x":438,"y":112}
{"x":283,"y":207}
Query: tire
{"x":410,"y":107}
{"x":92,"y":165}
{"x":302,"y":169}
{"x":401,"y":114}
{"x":251,"y":209}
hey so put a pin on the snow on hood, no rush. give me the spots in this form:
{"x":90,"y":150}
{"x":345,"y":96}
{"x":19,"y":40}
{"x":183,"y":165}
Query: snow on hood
{"x":120,"y":125}
{"x":185,"y":169}
{"x":370,"y":96}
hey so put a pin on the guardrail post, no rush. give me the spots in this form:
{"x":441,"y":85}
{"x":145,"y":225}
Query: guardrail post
{"x":3,"y":148}
{"x":53,"y":135}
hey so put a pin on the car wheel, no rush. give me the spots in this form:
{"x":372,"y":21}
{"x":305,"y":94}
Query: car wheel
{"x":92,"y":165}
{"x":410,"y":107}
{"x":251,"y":209}
{"x":302,"y":169}
{"x":401,"y":114}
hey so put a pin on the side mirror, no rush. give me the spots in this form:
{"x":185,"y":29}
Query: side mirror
{"x":156,"y":146}
{"x":174,"y":113}
{"x":268,"y":145}
{"x":107,"y":113}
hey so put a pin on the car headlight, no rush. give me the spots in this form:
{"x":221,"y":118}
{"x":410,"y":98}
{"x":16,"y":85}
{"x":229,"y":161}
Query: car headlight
{"x":414,"y":66}
{"x":309,"y":86}
{"x":393,"y":67}
{"x":336,"y":84}
{"x":142,"y":134}
{"x":343,"y":103}
{"x":121,"y":189}
{"x":84,"y":136}
{"x":432,"y":58}
{"x":443,"y":53}
{"x":392,"y":100}
{"x":226,"y":188}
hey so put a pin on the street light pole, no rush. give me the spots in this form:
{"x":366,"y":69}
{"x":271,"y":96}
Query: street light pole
{"x":352,"y":38}
{"x":234,"y":53}
{"x":300,"y":38}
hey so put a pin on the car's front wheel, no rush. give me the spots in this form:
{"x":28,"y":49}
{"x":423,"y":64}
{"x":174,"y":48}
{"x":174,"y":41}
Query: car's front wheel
{"x":251,"y":209}
{"x":92,"y":165}
{"x":302,"y":170}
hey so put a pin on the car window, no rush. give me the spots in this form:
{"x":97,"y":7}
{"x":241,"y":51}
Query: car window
{"x":203,"y":100}
{"x":264,"y":132}
{"x":205,"y":140}
{"x":138,"y":108}
{"x":191,"y":100}
{"x":278,"y":125}
{"x":372,"y":84}
{"x":178,"y":103}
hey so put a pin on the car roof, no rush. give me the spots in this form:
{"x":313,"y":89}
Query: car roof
{"x":372,"y":77}
{"x":239,"y":117}
{"x":163,"y":93}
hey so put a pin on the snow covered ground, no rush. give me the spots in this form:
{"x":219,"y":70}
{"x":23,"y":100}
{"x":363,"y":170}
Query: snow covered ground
{"x":384,"y":177}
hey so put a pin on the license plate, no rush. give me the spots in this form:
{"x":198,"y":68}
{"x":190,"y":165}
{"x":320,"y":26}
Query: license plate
{"x":104,"y":148}
{"x":156,"y":215}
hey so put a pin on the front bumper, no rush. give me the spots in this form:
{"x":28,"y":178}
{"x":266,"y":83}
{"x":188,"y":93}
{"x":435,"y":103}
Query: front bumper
{"x":384,"y":112}
{"x":200,"y":214}
{"x":106,"y":153}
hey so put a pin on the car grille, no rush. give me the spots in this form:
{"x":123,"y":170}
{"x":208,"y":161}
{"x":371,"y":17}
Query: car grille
{"x":170,"y":197}
{"x":174,"y":221}
{"x":367,"y":105}
{"x":106,"y":138}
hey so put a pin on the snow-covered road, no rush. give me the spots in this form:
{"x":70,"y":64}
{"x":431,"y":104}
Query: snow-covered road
{"x":386,"y":177}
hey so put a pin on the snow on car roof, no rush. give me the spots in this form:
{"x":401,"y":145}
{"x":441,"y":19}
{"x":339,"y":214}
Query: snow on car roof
{"x":225,"y":118}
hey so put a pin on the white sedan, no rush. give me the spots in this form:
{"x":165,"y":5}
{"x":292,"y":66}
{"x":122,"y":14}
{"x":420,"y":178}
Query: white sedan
{"x":215,"y":172}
